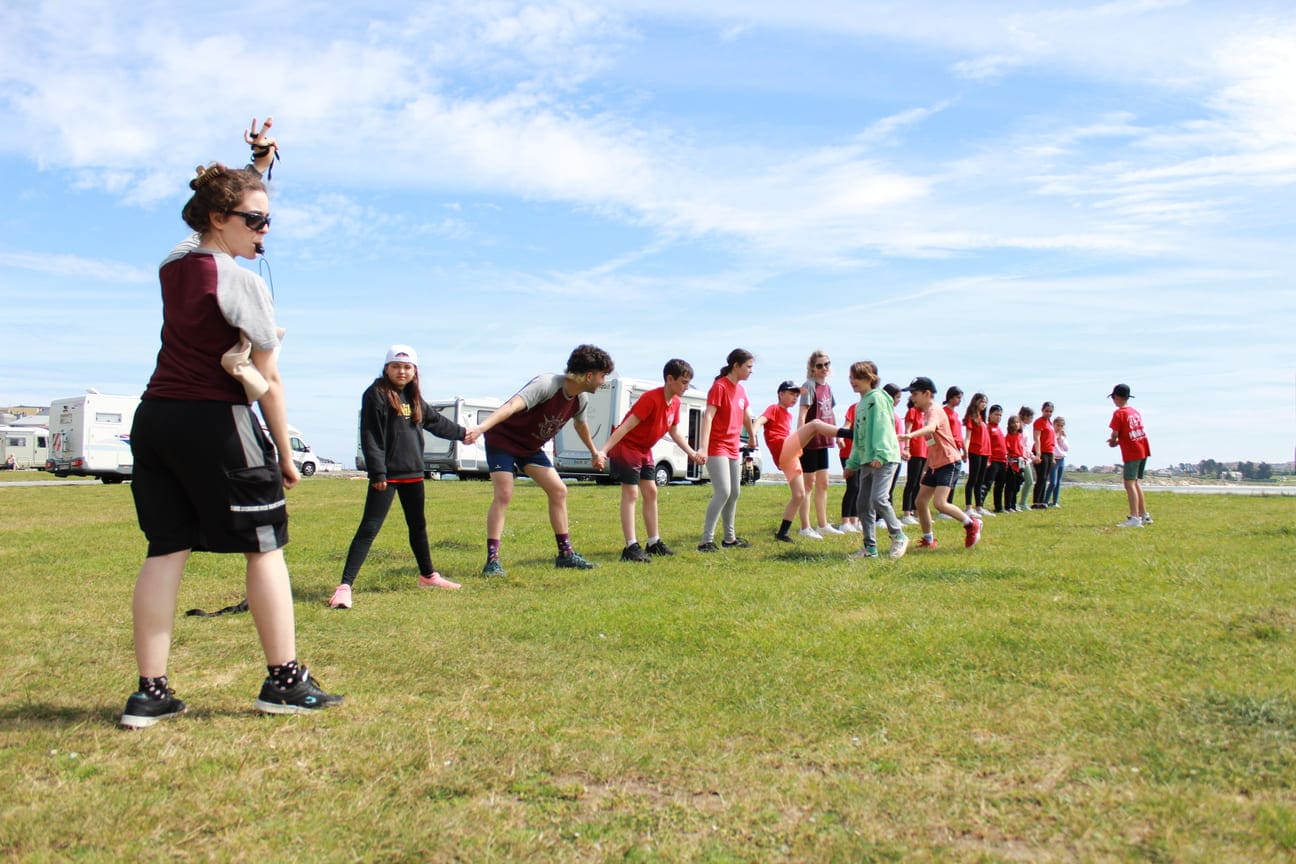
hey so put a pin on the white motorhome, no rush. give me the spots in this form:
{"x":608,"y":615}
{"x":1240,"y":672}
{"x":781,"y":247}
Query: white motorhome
{"x":28,"y":445}
{"x":607,"y":406}
{"x":90,"y":436}
{"x":451,"y":457}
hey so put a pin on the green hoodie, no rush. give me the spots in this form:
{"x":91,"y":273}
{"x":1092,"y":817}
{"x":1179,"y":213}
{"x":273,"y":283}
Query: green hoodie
{"x":874,"y":432}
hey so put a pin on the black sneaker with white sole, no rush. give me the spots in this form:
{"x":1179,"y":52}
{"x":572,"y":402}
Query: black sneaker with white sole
{"x":142,"y":710}
{"x":304,"y":697}
{"x":659,"y":548}
{"x":736,"y":543}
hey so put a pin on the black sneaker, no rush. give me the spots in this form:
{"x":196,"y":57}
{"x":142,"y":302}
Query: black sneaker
{"x":142,"y":710}
{"x":736,"y":543}
{"x":783,"y":538}
{"x":634,"y":553}
{"x":575,"y":561}
{"x":708,"y":547}
{"x":303,"y":698}
{"x":659,"y":548}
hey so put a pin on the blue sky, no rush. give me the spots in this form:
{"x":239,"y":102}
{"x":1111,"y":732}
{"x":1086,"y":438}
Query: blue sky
{"x":1029,"y":199}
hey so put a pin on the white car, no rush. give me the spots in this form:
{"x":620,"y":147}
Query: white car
{"x":327,"y":465}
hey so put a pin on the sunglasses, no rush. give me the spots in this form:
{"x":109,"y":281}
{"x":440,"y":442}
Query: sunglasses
{"x":253,"y":220}
{"x":823,"y":365}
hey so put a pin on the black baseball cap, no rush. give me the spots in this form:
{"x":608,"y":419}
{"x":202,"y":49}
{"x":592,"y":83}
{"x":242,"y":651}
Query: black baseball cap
{"x":789,"y":385}
{"x":922,"y":382}
{"x":1121,"y":390}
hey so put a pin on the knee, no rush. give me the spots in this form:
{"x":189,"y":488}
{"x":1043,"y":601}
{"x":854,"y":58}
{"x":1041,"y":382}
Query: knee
{"x":558,"y":494}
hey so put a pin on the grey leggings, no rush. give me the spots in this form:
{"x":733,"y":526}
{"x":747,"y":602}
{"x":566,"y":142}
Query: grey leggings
{"x":875,"y":500}
{"x":726,"y":475}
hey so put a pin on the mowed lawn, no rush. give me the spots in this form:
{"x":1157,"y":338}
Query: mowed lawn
{"x":1067,"y":691}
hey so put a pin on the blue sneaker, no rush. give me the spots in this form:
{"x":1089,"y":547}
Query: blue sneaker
{"x":573,"y":560}
{"x":142,"y":710}
{"x":493,"y":568}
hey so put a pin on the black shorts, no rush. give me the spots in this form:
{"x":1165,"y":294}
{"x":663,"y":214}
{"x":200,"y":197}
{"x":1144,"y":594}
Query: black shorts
{"x":630,"y":474}
{"x":206,"y":478}
{"x":942,"y":476}
{"x":814,"y":460}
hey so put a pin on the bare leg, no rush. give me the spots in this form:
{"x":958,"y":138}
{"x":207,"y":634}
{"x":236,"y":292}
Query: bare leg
{"x":629,"y":497}
{"x":502,"y":486}
{"x":553,"y":486}
{"x":269,"y":595}
{"x":153,"y":609}
{"x":648,"y":490}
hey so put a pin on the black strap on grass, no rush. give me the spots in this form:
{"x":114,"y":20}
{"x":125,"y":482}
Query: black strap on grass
{"x":240,"y":606}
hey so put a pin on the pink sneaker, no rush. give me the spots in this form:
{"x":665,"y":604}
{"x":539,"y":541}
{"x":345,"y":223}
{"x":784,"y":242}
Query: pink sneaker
{"x":971,"y":533}
{"x":436,"y":580}
{"x":341,"y":598}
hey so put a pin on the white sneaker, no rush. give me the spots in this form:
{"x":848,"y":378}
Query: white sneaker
{"x":1147,"y":518}
{"x":851,"y":528}
{"x":810,"y":534}
{"x":898,"y":546}
{"x":984,"y":512}
{"x":1131,"y":522}
{"x":881,"y":523}
{"x":828,"y":529}
{"x":909,"y":519}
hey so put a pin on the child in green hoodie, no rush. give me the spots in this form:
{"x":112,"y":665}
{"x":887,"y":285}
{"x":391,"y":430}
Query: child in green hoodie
{"x":876,"y":456}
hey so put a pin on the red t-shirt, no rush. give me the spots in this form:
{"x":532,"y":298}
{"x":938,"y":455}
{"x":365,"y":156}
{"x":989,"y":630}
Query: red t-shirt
{"x":1013,"y":445}
{"x":998,"y":447}
{"x":913,"y":419}
{"x":944,"y":449}
{"x":1045,"y":436}
{"x":778,"y":425}
{"x":1127,"y":423}
{"x":656,"y":417}
{"x":978,"y":437}
{"x":848,"y":443}
{"x":956,"y":427}
{"x":731,"y":403}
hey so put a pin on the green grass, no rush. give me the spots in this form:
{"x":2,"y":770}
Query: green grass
{"x":1067,"y":691}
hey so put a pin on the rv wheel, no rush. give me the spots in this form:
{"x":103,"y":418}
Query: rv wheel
{"x":308,"y":468}
{"x":662,"y":477}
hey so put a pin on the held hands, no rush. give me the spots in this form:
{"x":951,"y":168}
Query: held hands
{"x":600,"y":460}
{"x":471,"y":436}
{"x":697,"y":458}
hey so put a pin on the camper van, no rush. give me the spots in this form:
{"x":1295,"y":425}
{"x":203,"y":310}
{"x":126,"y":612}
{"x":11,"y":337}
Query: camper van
{"x":451,"y":457}
{"x":302,"y":454}
{"x":90,"y":436}
{"x":28,"y":445}
{"x":607,"y":406}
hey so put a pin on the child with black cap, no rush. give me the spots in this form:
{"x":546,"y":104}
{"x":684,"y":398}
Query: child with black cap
{"x":1127,"y":433}
{"x":943,"y":458}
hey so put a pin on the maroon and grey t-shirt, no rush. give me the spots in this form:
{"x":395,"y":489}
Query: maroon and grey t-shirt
{"x":206,"y":300}
{"x":548,"y":410}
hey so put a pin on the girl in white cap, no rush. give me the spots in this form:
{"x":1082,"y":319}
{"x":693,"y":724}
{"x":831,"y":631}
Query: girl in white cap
{"x":393,"y":416}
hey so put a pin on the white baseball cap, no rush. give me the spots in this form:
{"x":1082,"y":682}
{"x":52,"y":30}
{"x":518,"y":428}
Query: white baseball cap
{"x":401,"y":354}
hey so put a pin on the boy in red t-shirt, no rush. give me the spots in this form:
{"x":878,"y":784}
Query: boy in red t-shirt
{"x":1128,"y":434}
{"x":630,"y":459}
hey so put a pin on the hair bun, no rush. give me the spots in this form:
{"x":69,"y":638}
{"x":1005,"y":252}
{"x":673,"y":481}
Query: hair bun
{"x":206,"y":174}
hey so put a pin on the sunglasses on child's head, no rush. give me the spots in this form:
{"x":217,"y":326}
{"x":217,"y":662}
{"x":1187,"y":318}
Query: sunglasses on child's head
{"x":254,"y":220}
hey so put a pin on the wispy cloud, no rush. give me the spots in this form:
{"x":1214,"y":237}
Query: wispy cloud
{"x":97,"y":270}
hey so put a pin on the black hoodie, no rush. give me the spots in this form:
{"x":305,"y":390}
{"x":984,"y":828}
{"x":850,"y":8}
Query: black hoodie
{"x":392,"y":444}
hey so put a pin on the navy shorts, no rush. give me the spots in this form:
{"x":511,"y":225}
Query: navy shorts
{"x":942,"y":476}
{"x":814,"y":460}
{"x":206,"y":478}
{"x":498,"y":460}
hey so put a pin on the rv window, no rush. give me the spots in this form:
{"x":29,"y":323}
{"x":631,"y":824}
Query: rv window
{"x":107,"y":417}
{"x":447,"y":411}
{"x":483,"y":413}
{"x":296,"y":444}
{"x":15,"y":442}
{"x":40,"y":441}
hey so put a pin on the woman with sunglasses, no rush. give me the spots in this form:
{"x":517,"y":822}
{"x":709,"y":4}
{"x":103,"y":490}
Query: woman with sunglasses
{"x":205,"y":475}
{"x":817,"y":403}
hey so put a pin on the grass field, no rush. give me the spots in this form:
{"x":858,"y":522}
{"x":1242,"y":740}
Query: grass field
{"x":1067,"y":691}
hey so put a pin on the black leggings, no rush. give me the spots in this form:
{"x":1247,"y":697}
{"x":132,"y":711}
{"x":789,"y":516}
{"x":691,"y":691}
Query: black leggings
{"x":913,"y":476}
{"x":996,"y":479}
{"x":849,"y":506}
{"x":1042,"y":472}
{"x":1012,"y":487}
{"x":375,"y":511}
{"x":974,"y":492}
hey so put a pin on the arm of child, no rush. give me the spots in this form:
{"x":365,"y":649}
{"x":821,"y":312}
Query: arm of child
{"x":583,"y":432}
{"x":694,"y":456}
{"x":498,"y":416}
{"x":629,"y":423}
